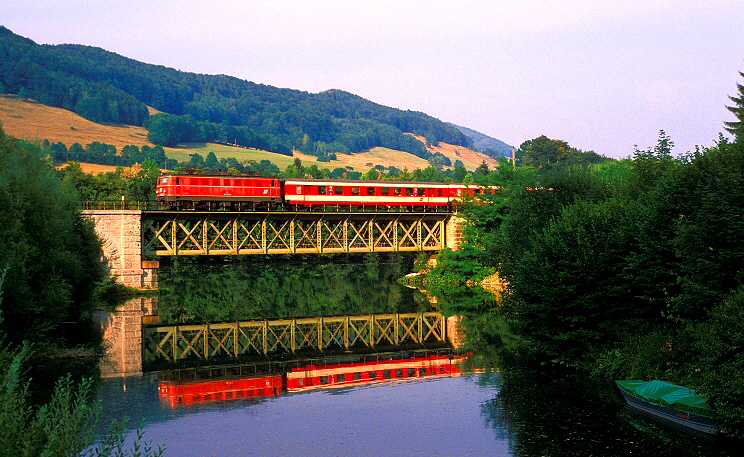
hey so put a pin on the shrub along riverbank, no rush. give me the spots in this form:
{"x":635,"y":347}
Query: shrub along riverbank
{"x":627,"y":270}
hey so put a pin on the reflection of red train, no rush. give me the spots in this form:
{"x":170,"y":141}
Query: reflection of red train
{"x":246,"y":193}
{"x":336,"y":375}
{"x":311,"y":376}
{"x":173,"y":394}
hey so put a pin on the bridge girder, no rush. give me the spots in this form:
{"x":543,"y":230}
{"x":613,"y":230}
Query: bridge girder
{"x":166,"y":233}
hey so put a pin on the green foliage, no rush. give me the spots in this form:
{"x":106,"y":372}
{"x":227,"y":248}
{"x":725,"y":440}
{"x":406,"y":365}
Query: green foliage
{"x":630,"y":269}
{"x":66,"y":426}
{"x":52,"y":251}
{"x":546,"y":154}
{"x":721,"y":371}
{"x":737,"y":127}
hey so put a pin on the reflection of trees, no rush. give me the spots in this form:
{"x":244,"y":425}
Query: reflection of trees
{"x":486,"y":331}
{"x":563,"y":414}
{"x":547,"y":413}
{"x":254,"y":287}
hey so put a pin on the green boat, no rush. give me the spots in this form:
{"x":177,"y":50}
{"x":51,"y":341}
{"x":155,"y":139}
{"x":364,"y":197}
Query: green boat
{"x":670,"y":402}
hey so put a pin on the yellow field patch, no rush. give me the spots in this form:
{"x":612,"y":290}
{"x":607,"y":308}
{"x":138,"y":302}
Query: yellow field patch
{"x":33,"y":121}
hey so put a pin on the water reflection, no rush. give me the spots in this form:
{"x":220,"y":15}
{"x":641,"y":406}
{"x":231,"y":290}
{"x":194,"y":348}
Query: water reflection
{"x":412,"y":405}
{"x":272,"y":287}
{"x":559,"y":412}
{"x":270,"y":379}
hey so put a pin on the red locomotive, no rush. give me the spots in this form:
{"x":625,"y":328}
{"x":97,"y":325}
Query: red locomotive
{"x":242,"y":193}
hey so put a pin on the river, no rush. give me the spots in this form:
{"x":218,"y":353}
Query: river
{"x":416,"y":399}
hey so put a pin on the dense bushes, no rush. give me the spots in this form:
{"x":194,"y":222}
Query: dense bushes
{"x":630,"y":269}
{"x":50,"y":251}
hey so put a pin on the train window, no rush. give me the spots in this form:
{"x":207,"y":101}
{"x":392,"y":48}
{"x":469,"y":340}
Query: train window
{"x":396,"y":191}
{"x":372,"y":375}
{"x":323,"y":380}
{"x":354,"y":191}
{"x":422,"y":192}
{"x":386,"y":374}
{"x":411,"y":372}
{"x":357,"y":376}
{"x":338,"y":190}
{"x":370,"y":190}
{"x":178,"y":181}
{"x":399,"y":373}
{"x":385,"y":191}
{"x":300,"y":382}
{"x":298,"y":190}
{"x":340,"y":377}
{"x":321,"y":190}
{"x":409,"y":192}
{"x":439,"y":192}
{"x":164,"y":180}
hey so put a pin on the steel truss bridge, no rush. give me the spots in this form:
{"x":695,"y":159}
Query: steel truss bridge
{"x":170,"y":233}
{"x":236,"y":339}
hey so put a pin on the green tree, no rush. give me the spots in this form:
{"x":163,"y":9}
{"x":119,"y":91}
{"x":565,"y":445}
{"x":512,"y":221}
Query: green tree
{"x":722,"y":362}
{"x":51,"y":251}
{"x":211,"y":162}
{"x":736,"y":127}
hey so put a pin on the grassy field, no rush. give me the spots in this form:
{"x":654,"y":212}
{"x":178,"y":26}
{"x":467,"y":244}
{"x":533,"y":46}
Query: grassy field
{"x":33,"y":121}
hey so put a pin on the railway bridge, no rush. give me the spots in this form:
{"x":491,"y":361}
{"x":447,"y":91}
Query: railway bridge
{"x":134,"y":238}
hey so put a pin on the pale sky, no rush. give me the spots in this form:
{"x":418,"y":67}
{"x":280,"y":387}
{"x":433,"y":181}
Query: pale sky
{"x":602,"y":75}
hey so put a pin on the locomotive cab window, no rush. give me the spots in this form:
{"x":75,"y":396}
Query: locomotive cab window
{"x":164,"y":181}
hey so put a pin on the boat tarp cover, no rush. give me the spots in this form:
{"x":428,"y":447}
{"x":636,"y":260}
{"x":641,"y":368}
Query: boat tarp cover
{"x":670,"y":395}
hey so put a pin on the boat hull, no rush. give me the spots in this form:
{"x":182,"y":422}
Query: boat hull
{"x":691,"y":421}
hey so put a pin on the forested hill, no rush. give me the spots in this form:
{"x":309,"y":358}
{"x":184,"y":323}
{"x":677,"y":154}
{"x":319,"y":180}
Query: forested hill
{"x":106,"y":87}
{"x":486,"y":144}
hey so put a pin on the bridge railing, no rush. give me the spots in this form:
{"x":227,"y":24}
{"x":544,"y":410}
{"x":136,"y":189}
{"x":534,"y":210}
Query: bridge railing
{"x":120,"y":205}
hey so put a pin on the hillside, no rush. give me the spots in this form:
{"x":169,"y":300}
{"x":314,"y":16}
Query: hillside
{"x":105,"y":87}
{"x":31,"y":120}
{"x":486,"y":144}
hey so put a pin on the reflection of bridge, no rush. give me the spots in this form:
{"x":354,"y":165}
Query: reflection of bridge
{"x":239,"y":339}
{"x":132,"y":235}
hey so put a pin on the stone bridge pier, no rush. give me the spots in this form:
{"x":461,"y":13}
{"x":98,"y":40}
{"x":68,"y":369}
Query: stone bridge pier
{"x":121,"y":232}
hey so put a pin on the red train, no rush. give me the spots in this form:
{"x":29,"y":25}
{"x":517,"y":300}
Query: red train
{"x":241,"y":193}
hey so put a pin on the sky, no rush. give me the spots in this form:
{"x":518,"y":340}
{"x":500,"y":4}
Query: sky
{"x":602,"y":75}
